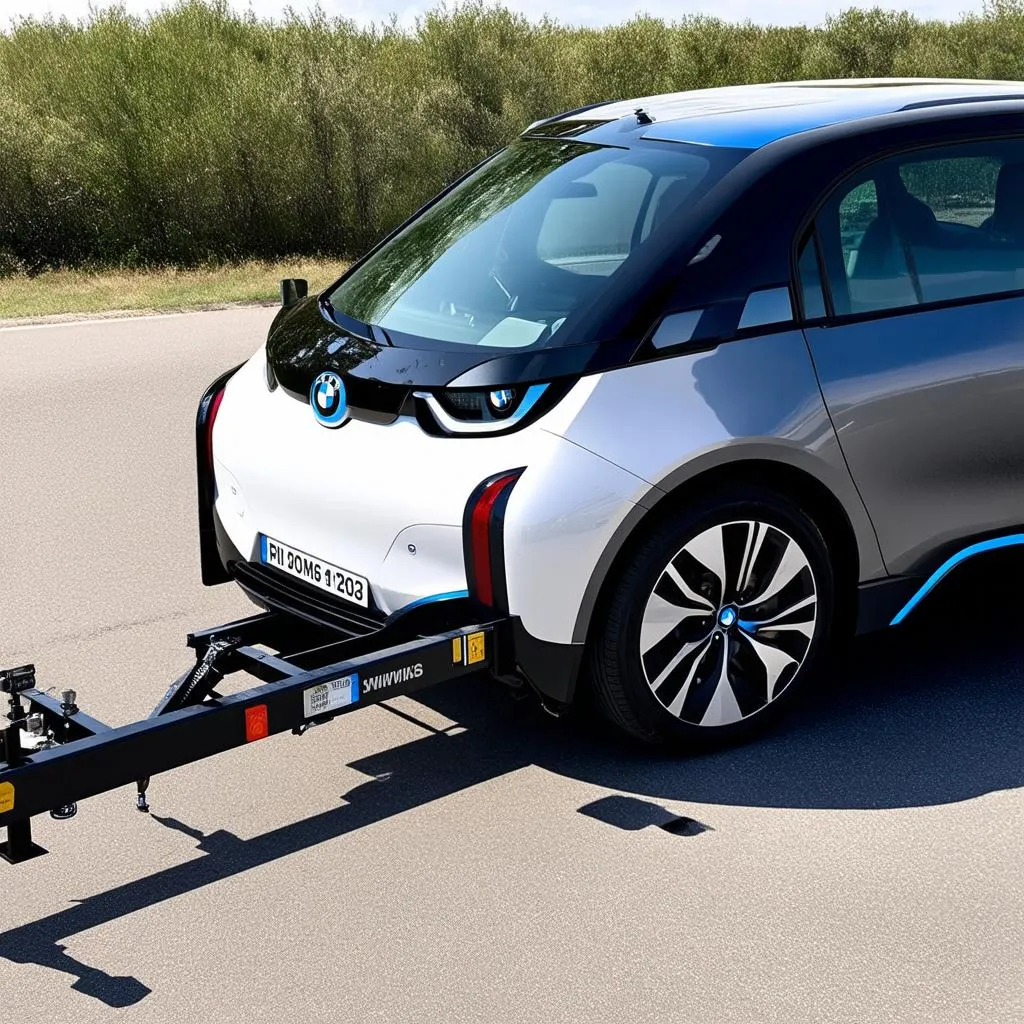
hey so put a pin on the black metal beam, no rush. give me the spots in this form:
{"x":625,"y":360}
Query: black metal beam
{"x":268,"y":667}
{"x":67,"y":727}
{"x":270,"y":628}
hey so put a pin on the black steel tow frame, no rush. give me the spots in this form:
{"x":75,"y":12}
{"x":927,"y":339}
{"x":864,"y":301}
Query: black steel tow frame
{"x":53,"y":754}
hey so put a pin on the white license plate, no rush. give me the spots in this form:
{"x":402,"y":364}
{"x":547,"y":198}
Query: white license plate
{"x":340,"y":582}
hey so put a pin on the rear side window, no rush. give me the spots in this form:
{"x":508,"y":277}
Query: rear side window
{"x":928,"y":226}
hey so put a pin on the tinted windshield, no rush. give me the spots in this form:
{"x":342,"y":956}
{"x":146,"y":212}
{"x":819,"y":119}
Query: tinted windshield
{"x":530,"y":238}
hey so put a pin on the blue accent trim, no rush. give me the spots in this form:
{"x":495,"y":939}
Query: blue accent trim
{"x":530,"y":399}
{"x":451,"y":595}
{"x":747,"y":627}
{"x":951,"y":563}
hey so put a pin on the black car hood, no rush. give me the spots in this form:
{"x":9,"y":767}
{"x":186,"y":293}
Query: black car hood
{"x":303,"y":343}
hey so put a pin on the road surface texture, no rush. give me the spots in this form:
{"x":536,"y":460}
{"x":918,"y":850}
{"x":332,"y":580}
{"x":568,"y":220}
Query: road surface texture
{"x":474,"y":860}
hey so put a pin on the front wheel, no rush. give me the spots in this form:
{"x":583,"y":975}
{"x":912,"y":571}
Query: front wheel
{"x":715,"y":621}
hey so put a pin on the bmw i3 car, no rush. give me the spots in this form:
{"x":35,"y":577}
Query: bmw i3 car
{"x":682,"y":388}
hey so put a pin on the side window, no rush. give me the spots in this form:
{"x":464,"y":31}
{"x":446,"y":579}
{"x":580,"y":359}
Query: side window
{"x":958,"y":191}
{"x":928,"y":226}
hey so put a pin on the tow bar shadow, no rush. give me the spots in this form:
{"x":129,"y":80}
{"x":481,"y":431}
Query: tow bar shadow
{"x":432,"y":767}
{"x":929,"y":715}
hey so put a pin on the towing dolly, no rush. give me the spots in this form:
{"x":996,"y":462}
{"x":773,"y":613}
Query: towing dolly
{"x":53,"y":754}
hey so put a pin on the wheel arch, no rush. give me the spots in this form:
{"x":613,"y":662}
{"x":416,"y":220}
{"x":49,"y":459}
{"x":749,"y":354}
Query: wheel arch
{"x":790,"y":482}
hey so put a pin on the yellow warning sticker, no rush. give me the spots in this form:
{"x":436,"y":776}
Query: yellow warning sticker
{"x":6,"y":797}
{"x":457,"y":650}
{"x":477,"y":648}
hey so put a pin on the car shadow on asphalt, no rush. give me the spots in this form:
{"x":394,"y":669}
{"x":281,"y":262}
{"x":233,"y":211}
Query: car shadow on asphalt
{"x":929,"y":714}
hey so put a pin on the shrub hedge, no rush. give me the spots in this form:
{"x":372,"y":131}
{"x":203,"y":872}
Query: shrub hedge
{"x":198,"y":134}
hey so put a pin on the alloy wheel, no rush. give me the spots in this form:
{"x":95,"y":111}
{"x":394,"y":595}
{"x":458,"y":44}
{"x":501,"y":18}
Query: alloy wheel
{"x":728,"y":623}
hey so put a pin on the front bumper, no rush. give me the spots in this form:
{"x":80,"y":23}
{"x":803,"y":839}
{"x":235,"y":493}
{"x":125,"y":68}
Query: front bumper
{"x":552,"y":669}
{"x":388,"y":502}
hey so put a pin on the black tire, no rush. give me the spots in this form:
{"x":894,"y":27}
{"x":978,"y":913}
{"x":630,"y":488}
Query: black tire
{"x":618,"y":671}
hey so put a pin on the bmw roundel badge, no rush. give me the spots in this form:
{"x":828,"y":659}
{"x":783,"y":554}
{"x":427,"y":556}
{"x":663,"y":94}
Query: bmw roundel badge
{"x":501,"y":400}
{"x":327,"y":397}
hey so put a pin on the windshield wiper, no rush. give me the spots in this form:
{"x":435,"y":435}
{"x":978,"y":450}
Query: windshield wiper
{"x":349,"y":324}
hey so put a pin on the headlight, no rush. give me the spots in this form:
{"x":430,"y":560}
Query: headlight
{"x":482,"y":412}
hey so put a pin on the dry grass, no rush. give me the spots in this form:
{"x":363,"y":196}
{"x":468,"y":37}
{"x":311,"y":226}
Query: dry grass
{"x":74,"y":292}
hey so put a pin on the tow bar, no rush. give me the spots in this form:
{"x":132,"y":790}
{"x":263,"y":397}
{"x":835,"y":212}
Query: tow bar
{"x":53,"y":754}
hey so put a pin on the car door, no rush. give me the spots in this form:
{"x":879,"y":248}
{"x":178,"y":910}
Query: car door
{"x":913,"y":285}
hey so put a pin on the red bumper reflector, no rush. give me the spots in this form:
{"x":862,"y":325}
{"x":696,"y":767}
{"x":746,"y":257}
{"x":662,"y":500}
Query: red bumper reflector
{"x":256,"y":724}
{"x":480,"y":536}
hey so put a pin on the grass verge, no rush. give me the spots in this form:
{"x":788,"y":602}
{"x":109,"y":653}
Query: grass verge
{"x":62,"y":293}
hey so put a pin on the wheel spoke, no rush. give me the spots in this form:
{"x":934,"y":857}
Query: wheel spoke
{"x":804,"y":628}
{"x":674,"y":663}
{"x":754,"y":624}
{"x":775,"y":661}
{"x":755,"y":538}
{"x":709,"y":549}
{"x":661,"y":617}
{"x":790,"y":565}
{"x":723,"y":708}
{"x":676,"y":706}
{"x":676,"y":577}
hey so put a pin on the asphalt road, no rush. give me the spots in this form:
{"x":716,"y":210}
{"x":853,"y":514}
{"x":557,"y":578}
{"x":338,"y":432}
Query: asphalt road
{"x":863,"y":863}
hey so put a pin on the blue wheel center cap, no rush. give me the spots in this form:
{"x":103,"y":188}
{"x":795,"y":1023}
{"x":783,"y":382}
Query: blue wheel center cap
{"x":726,"y":617}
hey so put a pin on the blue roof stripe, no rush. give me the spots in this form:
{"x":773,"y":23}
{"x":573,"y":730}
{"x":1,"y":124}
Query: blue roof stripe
{"x":748,"y":117}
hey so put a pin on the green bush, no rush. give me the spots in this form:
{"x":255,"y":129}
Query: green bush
{"x":199,"y":134}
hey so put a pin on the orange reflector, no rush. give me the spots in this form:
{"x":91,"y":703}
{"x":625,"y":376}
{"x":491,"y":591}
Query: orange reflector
{"x":477,"y":646}
{"x":256,"y":727}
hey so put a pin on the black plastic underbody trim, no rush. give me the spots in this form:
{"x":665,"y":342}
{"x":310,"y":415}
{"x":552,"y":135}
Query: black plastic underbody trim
{"x":211,"y":566}
{"x":553,"y":670}
{"x":278,"y":592}
{"x":879,"y":600}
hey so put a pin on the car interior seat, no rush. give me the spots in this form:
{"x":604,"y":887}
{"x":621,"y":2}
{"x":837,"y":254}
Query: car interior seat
{"x":901,"y":217}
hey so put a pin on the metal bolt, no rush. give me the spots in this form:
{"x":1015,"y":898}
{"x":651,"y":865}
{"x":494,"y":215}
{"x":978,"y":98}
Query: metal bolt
{"x":412,"y":549}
